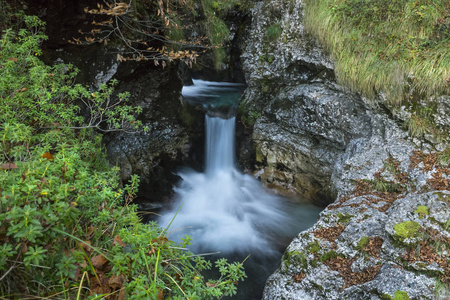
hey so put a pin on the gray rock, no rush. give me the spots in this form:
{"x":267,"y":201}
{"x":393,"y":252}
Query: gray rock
{"x":314,"y":139}
{"x":173,"y":126}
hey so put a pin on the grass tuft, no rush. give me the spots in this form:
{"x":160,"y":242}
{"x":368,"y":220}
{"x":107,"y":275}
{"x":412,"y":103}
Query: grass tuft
{"x":397,"y":48}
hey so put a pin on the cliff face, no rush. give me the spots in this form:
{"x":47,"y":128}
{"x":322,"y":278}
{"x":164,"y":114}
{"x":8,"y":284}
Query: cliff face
{"x":381,"y":236}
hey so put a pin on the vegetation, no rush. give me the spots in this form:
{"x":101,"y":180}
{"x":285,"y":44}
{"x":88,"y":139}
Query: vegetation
{"x":67,"y":230}
{"x":363,"y":242}
{"x":399,"y":48}
{"x":295,"y":257}
{"x":344,"y":218}
{"x":422,"y":211}
{"x":162,"y":30}
{"x":313,"y":247}
{"x":406,"y":230}
{"x":273,"y":32}
{"x":398,"y":295}
{"x":329,"y":255}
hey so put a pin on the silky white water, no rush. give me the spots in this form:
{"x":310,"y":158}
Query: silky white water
{"x":227,"y":211}
{"x":221,"y":208}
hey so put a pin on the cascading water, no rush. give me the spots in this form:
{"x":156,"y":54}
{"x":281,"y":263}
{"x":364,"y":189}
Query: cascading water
{"x":224,"y":210}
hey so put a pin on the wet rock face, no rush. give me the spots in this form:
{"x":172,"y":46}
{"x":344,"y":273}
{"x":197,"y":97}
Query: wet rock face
{"x":305,"y":121}
{"x":380,"y":236}
{"x":174,"y":129}
{"x":304,"y":129}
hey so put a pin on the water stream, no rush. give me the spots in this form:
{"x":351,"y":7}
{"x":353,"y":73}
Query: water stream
{"x":226,"y":211}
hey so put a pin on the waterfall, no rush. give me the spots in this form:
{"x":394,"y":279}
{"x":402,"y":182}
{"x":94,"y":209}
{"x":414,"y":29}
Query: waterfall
{"x":223,"y":209}
{"x":219,"y":144}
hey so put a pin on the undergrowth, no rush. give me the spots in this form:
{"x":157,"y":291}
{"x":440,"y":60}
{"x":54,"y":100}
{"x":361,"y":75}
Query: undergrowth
{"x":395,"y":48}
{"x":66,"y":228}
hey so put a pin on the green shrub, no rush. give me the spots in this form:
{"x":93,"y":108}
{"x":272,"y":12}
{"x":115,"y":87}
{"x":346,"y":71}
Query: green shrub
{"x":67,"y":229}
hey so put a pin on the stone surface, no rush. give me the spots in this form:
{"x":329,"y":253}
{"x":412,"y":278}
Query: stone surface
{"x":305,"y":120}
{"x":313,"y":139}
{"x":323,"y":282}
{"x":174,"y":132}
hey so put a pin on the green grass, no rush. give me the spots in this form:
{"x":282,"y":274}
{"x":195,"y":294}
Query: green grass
{"x":273,"y":32}
{"x":399,"y":48}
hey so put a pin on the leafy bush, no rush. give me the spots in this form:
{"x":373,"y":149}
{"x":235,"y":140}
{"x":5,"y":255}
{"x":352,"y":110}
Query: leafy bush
{"x":67,"y":229}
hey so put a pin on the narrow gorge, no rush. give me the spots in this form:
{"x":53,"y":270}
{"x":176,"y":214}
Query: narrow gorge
{"x":355,"y":184}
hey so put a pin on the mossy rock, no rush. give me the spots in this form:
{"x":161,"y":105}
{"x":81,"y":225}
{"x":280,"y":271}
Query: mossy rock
{"x":362,"y":243}
{"x":401,"y":295}
{"x":398,"y":295}
{"x":313,"y":247}
{"x":344,"y":218}
{"x":406,"y":229}
{"x":295,"y":258}
{"x":422,"y":210}
{"x":329,"y":255}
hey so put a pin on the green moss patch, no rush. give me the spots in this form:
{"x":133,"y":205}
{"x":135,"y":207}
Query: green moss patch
{"x":406,"y":229}
{"x":401,"y":295}
{"x":313,"y":247}
{"x":398,"y":295}
{"x":344,"y":218}
{"x":295,"y":258}
{"x":422,"y":211}
{"x":362,"y":243}
{"x":329,"y":255}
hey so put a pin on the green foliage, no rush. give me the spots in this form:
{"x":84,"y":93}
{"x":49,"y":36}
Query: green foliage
{"x":399,"y":48}
{"x":401,"y":295}
{"x":344,"y":218}
{"x":215,"y":28}
{"x":379,"y":184}
{"x":406,"y":229}
{"x":295,"y":258}
{"x":398,"y":295}
{"x":44,"y":97}
{"x":63,"y":216}
{"x":444,"y":158}
{"x":329,"y":255}
{"x":442,"y":290}
{"x":248,"y":118}
{"x":420,"y":122}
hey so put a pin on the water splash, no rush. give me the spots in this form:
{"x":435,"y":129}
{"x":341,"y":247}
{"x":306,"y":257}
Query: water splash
{"x":223,"y":209}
